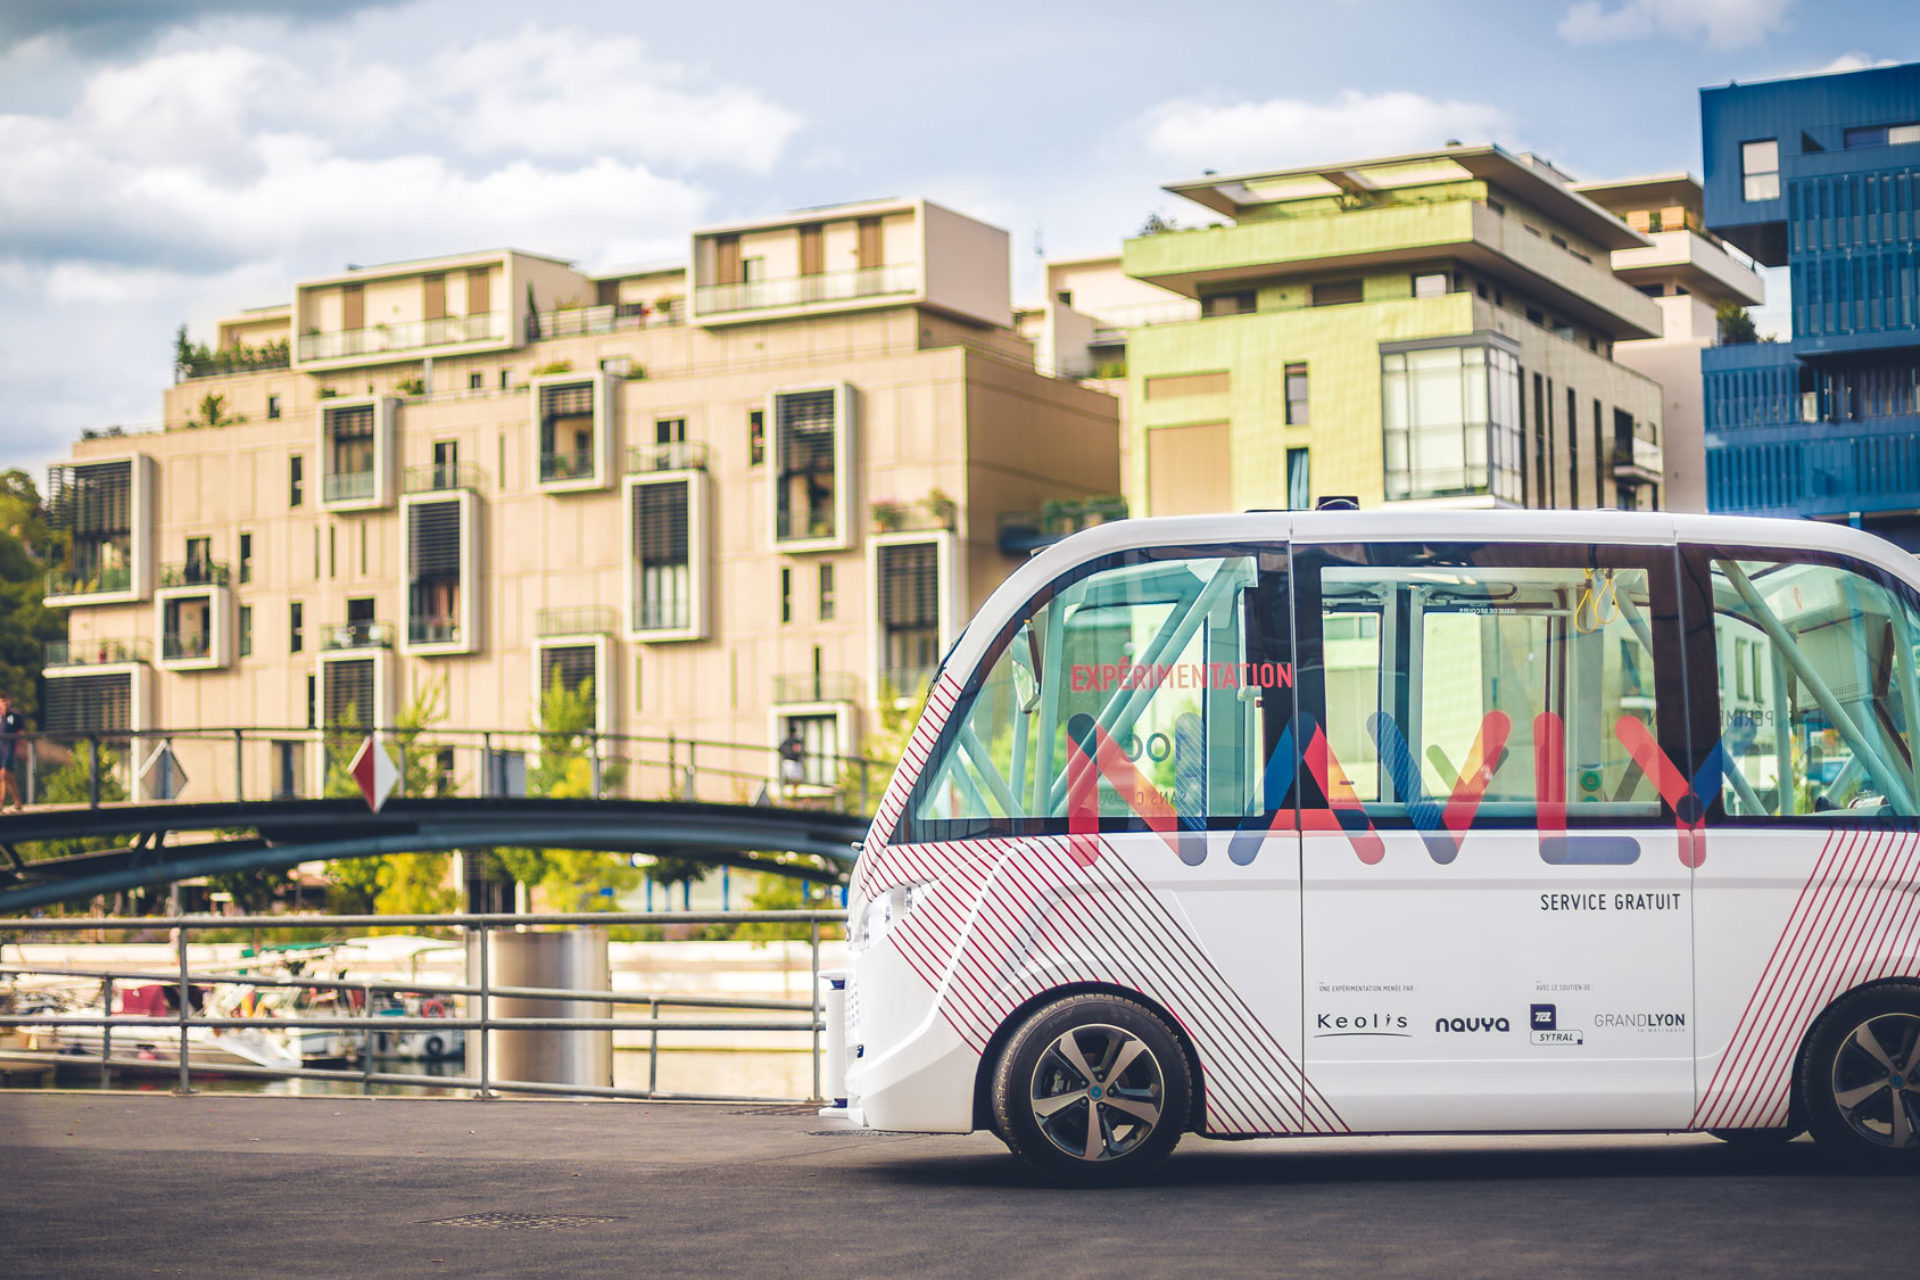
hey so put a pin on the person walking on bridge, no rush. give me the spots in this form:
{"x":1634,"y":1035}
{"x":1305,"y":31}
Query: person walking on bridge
{"x":793,"y":761}
{"x":11,"y":726}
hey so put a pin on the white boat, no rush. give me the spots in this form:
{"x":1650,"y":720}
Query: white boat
{"x":157,"y":1048}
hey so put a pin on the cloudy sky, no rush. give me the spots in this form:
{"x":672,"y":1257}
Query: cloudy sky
{"x":165,"y":160}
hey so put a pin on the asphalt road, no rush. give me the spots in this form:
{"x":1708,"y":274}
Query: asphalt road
{"x":107,"y":1185}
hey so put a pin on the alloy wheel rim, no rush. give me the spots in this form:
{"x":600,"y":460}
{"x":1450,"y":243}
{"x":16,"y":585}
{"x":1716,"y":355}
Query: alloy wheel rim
{"x":1873,"y":1080}
{"x":1097,"y":1092}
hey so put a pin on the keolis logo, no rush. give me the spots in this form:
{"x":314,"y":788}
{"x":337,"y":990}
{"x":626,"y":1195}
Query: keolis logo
{"x":1458,"y":1025}
{"x":1360,"y":1024}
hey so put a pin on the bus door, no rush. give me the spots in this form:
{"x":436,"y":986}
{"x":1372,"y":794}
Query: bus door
{"x":1497,"y":898}
{"x":1809,"y":857}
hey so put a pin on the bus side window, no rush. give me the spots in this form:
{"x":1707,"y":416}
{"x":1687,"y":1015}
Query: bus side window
{"x":1129,"y":695}
{"x":1816,"y":663}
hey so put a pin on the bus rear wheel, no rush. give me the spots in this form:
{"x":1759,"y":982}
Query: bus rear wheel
{"x":1861,"y":1078}
{"x":1092,"y":1090}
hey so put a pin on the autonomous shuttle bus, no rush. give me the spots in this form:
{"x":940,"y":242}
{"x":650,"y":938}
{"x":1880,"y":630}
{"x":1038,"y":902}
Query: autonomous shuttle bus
{"x":1406,"y":822}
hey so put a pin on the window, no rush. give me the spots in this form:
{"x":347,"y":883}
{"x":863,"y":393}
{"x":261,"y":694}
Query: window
{"x":1536,"y":316}
{"x":1882,"y":135}
{"x":296,"y":481}
{"x":756,"y":437}
{"x":568,"y":429}
{"x":1242,"y":302}
{"x":1760,"y":170}
{"x":1818,"y":687}
{"x":786,"y":595}
{"x":246,"y":557}
{"x":246,"y":631}
{"x":296,"y":627}
{"x":289,"y":769}
{"x":1530,"y":669}
{"x":1297,"y":395}
{"x":1131,"y":697}
{"x":570,"y":670}
{"x":670,"y":431}
{"x":1334,"y":293}
{"x":820,"y":747}
{"x":506,"y":379}
{"x":199,"y":565}
{"x":89,"y":703}
{"x":476,"y":381}
{"x":826,"y":593}
{"x":811,"y":451}
{"x":350,"y":436}
{"x":437,"y":532}
{"x":1299,"y":480}
{"x":662,"y":555}
{"x":313,"y":702}
{"x":1451,"y":422}
{"x":1430,"y":285}
{"x":908,"y":596}
{"x":273,"y":407}
{"x":348,"y":695}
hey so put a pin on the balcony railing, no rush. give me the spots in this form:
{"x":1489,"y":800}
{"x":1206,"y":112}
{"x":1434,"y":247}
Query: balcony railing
{"x":356,"y":635}
{"x":97,"y":653}
{"x":346,"y":486}
{"x":905,"y":682}
{"x":665,"y":615}
{"x":570,"y":322}
{"x":194,"y":573}
{"x":442,"y":476}
{"x":574,"y":465}
{"x":433,"y":630}
{"x":411,"y":335}
{"x":186,"y":646}
{"x":820,"y":686}
{"x":65,"y":582}
{"x":1637,"y":458}
{"x":682,"y":455}
{"x":576,"y":620}
{"x":1024,"y":531}
{"x":800,"y":291}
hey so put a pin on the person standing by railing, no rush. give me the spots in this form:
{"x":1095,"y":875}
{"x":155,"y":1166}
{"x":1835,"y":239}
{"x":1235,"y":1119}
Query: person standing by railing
{"x":11,"y":726}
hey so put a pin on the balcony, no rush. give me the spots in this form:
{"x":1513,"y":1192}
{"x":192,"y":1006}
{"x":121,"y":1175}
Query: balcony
{"x":194,"y":573}
{"x":682,"y":455}
{"x":905,"y":682}
{"x":433,"y":629}
{"x":105,"y":581}
{"x":442,"y":478}
{"x":408,"y":336}
{"x":801,"y":291}
{"x":347,"y":486}
{"x":576,"y":620}
{"x":575,"y":464}
{"x":356,"y":635}
{"x":665,"y":615}
{"x":572,"y":322}
{"x":186,"y":646}
{"x":1023,"y":532}
{"x":817,"y":686}
{"x":1638,"y":461}
{"x":97,"y":653}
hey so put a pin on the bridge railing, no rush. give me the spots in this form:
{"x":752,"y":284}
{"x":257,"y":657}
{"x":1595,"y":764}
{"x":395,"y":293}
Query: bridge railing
{"x":158,"y":765}
{"x":469,"y":1004}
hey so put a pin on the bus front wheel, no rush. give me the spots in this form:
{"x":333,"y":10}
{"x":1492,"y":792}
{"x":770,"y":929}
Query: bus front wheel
{"x":1861,"y":1077}
{"x":1092,"y":1090}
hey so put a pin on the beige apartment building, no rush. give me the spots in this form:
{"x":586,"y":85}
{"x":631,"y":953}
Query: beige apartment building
{"x":760,"y":491}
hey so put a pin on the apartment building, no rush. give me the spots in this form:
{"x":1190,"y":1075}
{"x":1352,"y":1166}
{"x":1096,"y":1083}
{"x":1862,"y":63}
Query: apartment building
{"x":1437,"y":328}
{"x":1688,"y":271}
{"x":1821,"y":175}
{"x":759,"y":491}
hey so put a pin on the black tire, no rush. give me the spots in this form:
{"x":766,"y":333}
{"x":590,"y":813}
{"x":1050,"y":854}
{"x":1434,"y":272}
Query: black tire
{"x":1067,"y":1053}
{"x":1858,"y":1078}
{"x":435,"y":1047}
{"x":1755,"y":1139}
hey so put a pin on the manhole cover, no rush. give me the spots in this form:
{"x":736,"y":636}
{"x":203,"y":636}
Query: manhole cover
{"x":802,"y":1109}
{"x":501,"y":1221}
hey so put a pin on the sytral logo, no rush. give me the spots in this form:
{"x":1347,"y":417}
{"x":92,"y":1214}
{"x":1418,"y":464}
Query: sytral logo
{"x":1543,"y":1026}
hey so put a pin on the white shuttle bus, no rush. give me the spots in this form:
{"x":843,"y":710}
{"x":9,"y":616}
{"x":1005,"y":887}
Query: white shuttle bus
{"x":1406,"y":822}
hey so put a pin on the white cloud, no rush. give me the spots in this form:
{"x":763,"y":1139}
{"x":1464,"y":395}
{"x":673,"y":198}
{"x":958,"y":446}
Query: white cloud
{"x":1285,"y":131}
{"x":1854,"y":61}
{"x":1721,"y":24}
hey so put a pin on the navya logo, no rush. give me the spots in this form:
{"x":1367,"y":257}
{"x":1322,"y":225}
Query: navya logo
{"x":1327,"y":1025}
{"x":1543,"y":1026}
{"x":1458,"y":1025}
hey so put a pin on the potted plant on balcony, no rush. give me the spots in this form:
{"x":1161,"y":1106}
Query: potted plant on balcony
{"x":941,"y":507}
{"x":889,"y":516}
{"x":1104,"y":509}
{"x":1059,"y":516}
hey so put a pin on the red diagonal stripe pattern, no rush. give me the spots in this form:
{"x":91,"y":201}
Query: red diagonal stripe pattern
{"x":1856,"y":919}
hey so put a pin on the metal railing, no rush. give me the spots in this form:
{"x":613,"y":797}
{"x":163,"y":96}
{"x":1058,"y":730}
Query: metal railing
{"x":195,"y":573}
{"x":356,"y":635}
{"x":796,"y":291}
{"x":66,"y":582}
{"x":576,"y":464}
{"x":98,"y":653}
{"x":816,"y":686}
{"x":440,"y":476}
{"x":680,"y":455}
{"x":567,"y":322}
{"x":346,"y":486}
{"x":186,"y":646}
{"x":433,"y":630}
{"x":103,"y":766}
{"x":471,"y":1002}
{"x":576,"y":620}
{"x":407,"y":336}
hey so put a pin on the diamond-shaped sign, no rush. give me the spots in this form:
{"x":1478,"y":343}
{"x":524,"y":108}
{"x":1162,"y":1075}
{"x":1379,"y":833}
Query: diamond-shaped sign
{"x":162,"y":774}
{"x":376,"y":773}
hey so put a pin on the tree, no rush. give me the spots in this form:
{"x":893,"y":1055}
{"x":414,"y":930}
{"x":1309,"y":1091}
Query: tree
{"x":881,"y":753}
{"x":1736,"y":323}
{"x":27,"y":544}
{"x":1157,"y":223}
{"x":68,"y":785}
{"x":571,"y":879}
{"x":398,"y":883}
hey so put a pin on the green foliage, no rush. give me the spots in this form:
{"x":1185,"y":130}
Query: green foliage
{"x":27,"y":546}
{"x":1736,"y":323}
{"x":784,"y":893}
{"x":197,"y":360}
{"x":899,"y":713}
{"x":213,"y":413}
{"x":1157,"y":223}
{"x":571,"y":879}
{"x":556,"y":366}
{"x":68,"y":785}
{"x":252,"y":891}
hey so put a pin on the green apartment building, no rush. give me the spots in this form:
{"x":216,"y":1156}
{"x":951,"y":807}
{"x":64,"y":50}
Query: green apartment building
{"x":1435,"y":328}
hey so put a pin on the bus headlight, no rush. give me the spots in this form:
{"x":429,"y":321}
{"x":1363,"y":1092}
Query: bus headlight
{"x":886,"y":910}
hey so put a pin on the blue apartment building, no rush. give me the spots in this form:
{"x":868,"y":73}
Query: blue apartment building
{"x":1821,"y":174}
